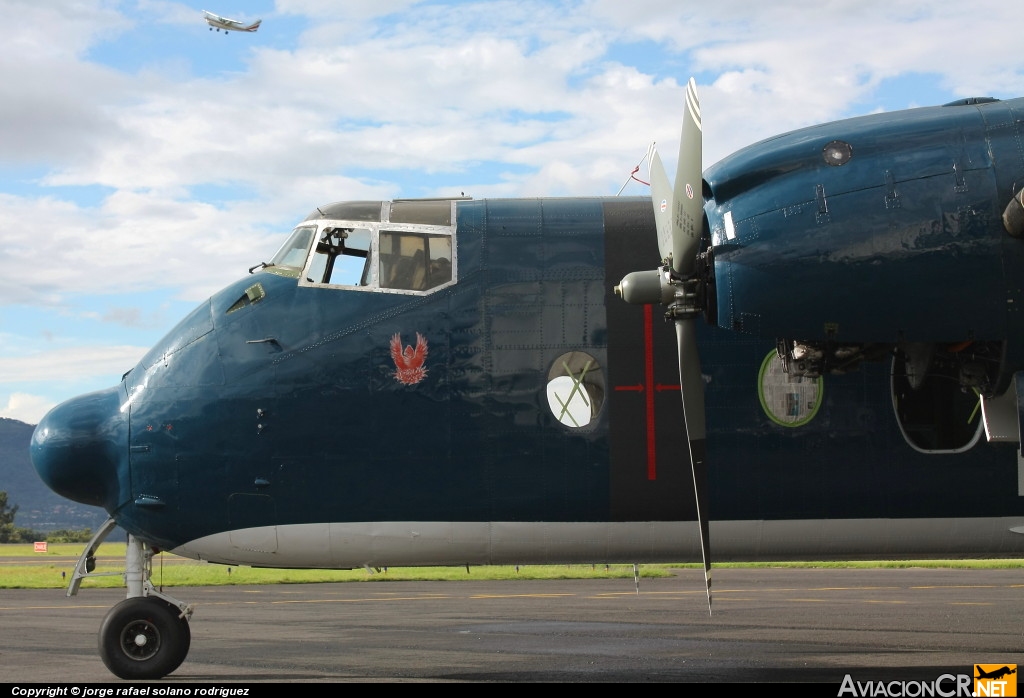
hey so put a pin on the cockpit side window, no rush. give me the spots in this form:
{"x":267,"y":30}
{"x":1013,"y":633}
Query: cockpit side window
{"x":293,"y":252}
{"x":342,"y":257}
{"x":414,"y":261}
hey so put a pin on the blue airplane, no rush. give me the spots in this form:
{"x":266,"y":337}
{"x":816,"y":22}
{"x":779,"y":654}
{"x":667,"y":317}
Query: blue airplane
{"x":517,"y":381}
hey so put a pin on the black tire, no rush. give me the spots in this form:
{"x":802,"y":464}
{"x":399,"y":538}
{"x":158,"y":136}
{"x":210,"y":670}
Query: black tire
{"x":143,"y":638}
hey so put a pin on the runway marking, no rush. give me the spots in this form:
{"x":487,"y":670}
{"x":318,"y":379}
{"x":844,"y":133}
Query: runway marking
{"x":518,"y":596}
{"x":62,"y":607}
{"x":272,"y":596}
{"x":853,"y":588}
{"x":362,"y":600}
{"x":426,"y":597}
{"x":748,"y":591}
{"x":882,"y":601}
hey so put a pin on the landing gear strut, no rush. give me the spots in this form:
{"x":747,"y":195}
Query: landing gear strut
{"x":147,"y":635}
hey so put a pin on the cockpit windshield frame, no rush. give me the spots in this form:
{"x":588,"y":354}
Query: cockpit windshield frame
{"x":379,"y":257}
{"x":294,"y":252}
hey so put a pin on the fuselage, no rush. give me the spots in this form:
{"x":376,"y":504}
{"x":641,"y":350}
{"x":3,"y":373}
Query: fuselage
{"x":270,"y":426}
{"x":491,"y":401}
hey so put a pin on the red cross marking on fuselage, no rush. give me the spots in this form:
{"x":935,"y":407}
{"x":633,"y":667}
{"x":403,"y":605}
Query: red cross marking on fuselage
{"x":648,"y":388}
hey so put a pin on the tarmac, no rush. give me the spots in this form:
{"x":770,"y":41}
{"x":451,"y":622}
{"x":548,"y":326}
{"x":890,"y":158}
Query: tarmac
{"x":767,"y":625}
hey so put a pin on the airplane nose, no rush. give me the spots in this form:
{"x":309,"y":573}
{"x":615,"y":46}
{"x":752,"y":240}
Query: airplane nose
{"x":79,"y":446}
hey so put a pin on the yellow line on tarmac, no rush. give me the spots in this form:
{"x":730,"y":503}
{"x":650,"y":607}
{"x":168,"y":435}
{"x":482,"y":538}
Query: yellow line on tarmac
{"x":518,"y":596}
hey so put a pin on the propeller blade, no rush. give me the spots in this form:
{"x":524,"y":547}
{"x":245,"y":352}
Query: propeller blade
{"x":661,"y":197}
{"x":687,"y":228}
{"x":692,"y":384}
{"x":687,"y":198}
{"x":679,"y":219}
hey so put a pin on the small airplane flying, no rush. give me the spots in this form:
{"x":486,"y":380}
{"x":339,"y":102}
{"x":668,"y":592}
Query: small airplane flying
{"x":229,"y":25}
{"x":479,"y":382}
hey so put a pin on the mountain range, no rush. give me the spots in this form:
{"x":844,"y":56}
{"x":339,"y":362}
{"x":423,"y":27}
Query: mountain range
{"x":39,"y":508}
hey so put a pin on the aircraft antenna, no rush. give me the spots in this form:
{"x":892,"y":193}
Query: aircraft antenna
{"x":632,"y":175}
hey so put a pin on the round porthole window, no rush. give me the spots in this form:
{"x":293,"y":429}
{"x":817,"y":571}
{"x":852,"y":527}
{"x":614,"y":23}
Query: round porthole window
{"x":790,"y":402}
{"x":575,"y":389}
{"x":837,"y":153}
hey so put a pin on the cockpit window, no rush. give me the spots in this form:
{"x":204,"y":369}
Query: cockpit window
{"x":414,"y":255}
{"x":342,"y":257}
{"x":413,"y":261}
{"x":293,"y":252}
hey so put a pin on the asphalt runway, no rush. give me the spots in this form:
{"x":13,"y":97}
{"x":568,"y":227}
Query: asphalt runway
{"x":769,"y":625}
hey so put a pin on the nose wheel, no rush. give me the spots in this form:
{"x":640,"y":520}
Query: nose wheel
{"x":144,"y":638}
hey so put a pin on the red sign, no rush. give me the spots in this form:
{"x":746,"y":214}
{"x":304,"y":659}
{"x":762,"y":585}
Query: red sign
{"x":40,"y":546}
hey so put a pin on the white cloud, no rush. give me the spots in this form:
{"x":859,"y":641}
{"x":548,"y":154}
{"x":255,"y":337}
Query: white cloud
{"x":26,"y":408}
{"x":169,"y":12}
{"x":170,"y":172}
{"x":70,"y":365}
{"x":322,"y":10}
{"x":777,"y":66}
{"x":131,"y":241}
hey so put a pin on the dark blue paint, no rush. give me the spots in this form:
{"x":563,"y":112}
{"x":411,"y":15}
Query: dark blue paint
{"x":904,"y":241}
{"x":285,"y":410}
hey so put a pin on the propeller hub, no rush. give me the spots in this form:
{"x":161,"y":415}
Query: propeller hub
{"x":647,"y":287}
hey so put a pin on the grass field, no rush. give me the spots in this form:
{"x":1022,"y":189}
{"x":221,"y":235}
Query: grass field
{"x":22,"y":568}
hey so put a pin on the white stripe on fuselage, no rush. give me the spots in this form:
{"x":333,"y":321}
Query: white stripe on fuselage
{"x":408,"y":544}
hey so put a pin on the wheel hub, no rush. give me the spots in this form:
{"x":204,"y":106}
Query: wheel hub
{"x":140,"y":640}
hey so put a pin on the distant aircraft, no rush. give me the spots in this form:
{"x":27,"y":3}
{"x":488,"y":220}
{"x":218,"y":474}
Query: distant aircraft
{"x":455,"y":382}
{"x":229,"y":25}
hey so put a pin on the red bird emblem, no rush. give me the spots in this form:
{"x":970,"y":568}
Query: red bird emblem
{"x":409,"y":362}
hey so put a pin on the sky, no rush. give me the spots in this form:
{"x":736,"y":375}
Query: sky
{"x":146,"y":161}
